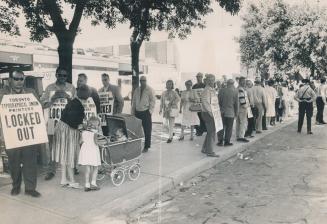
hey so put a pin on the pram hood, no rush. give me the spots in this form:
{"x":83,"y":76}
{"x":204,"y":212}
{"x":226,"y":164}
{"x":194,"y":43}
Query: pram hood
{"x":131,"y":125}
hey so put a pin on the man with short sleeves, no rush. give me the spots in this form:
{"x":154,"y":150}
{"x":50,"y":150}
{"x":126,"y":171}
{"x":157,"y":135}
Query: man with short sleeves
{"x":305,"y":96}
{"x":61,"y":91}
{"x":23,"y":160}
{"x":321,"y":101}
{"x":143,"y":103}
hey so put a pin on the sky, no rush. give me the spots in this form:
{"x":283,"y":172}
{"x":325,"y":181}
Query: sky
{"x":212,"y":49}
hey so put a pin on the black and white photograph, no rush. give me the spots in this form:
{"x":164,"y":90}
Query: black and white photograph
{"x":163,"y":111}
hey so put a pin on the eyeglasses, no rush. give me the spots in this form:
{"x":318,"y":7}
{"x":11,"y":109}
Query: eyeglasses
{"x":62,"y":75}
{"x":18,"y":79}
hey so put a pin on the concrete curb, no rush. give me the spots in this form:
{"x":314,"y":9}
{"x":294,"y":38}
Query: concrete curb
{"x":141,"y":196}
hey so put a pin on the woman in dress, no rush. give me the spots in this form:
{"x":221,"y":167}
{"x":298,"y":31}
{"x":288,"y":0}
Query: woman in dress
{"x":271,"y":94}
{"x":169,"y":107}
{"x":211,"y":115}
{"x":189,"y":118}
{"x":67,"y":136}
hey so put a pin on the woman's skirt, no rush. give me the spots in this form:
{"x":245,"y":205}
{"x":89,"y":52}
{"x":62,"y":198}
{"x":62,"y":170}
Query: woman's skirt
{"x":65,"y":147}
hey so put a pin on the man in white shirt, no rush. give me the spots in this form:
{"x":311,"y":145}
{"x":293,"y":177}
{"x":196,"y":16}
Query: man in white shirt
{"x":305,"y":96}
{"x":321,"y":101}
{"x":143,"y":103}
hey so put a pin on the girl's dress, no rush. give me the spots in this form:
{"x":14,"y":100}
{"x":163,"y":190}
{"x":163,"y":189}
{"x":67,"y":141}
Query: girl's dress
{"x":90,"y":152}
{"x":189,"y":118}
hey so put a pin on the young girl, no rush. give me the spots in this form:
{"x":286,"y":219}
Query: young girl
{"x":89,"y":155}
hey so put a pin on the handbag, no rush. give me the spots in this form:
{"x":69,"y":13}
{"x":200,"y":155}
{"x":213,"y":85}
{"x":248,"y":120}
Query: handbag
{"x":174,"y":112}
{"x":196,"y":107}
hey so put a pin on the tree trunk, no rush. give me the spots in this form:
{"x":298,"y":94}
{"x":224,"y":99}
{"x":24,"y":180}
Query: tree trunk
{"x":312,"y":70}
{"x":65,"y":52}
{"x":135,"y":51}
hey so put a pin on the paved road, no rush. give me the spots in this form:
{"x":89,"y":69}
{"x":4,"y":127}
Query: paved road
{"x":281,"y":179}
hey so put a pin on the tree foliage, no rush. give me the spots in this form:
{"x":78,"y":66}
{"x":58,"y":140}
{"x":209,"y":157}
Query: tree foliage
{"x":306,"y":41}
{"x":278,"y":39}
{"x":44,"y":18}
{"x":261,"y":40}
{"x":7,"y":21}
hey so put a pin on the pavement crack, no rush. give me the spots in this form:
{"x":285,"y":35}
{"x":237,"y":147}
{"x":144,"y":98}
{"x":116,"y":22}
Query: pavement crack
{"x":214,"y":214}
{"x":240,"y":220}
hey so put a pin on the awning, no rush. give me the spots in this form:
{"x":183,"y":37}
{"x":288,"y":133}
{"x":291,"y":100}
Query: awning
{"x":12,"y":60}
{"x":126,"y":69}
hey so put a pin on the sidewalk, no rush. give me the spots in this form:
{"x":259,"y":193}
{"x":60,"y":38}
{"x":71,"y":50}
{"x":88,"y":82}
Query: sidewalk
{"x":162,"y":168}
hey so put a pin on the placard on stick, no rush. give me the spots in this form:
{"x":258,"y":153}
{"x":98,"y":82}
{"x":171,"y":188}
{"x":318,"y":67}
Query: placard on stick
{"x":22,"y":121}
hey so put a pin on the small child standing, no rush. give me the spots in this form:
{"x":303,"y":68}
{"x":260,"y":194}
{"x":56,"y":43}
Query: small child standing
{"x":89,"y":155}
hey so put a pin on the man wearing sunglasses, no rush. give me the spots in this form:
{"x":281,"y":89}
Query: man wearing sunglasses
{"x":59,"y":91}
{"x":26,"y":155}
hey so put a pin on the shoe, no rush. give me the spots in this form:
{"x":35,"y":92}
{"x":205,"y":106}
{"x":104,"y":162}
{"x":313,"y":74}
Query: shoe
{"x":145,"y":150}
{"x":181,"y":138}
{"x":258,"y":132}
{"x":33,"y":193}
{"x":212,"y":154}
{"x":242,"y":140}
{"x":169,"y":140}
{"x":191,"y":139}
{"x":76,"y":172}
{"x":74,"y":185}
{"x":323,"y":122}
{"x":220,"y":144}
{"x":265,"y":129}
{"x":310,"y":133}
{"x":298,"y":131}
{"x":203,"y":151}
{"x":49,"y":176}
{"x":15,"y":191}
{"x":87,"y":189}
{"x":94,"y":188}
{"x":199,"y":134}
{"x":228,"y":144}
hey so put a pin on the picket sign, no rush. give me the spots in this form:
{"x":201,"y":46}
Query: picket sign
{"x":22,"y":121}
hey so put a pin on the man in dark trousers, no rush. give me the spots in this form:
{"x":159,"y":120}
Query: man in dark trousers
{"x":321,"y":101}
{"x":305,"y":96}
{"x":143,"y":103}
{"x":199,"y":85}
{"x":23,"y":160}
{"x":228,"y":103}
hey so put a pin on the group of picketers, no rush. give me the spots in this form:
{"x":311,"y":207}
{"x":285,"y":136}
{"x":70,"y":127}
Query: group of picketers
{"x":75,"y":116}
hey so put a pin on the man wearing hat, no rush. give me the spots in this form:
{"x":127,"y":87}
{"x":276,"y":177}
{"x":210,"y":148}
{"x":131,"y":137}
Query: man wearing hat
{"x":199,"y":85}
{"x":143,"y":103}
{"x":260,"y":102}
{"x":305,"y":96}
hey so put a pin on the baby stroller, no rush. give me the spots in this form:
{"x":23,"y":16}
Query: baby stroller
{"x":121,"y":157}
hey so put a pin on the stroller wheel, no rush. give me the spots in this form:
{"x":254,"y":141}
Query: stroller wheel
{"x":117,"y":177}
{"x":134,"y":172}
